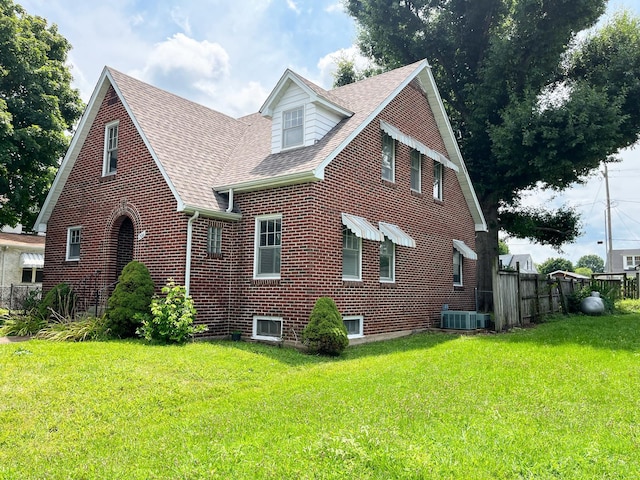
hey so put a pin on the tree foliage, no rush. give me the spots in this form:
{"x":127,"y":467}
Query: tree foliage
{"x":593,"y":262}
{"x":553,"y":264}
{"x":37,"y":109}
{"x":503,"y":248}
{"x":535,"y":105}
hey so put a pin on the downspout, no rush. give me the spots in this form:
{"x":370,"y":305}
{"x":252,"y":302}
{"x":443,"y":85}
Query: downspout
{"x":187,"y":268}
{"x":230,"y":206}
{"x":4,"y":254}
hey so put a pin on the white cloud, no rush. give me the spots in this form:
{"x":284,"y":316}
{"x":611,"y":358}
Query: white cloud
{"x":334,"y":7}
{"x":293,"y":6}
{"x":181,"y":19}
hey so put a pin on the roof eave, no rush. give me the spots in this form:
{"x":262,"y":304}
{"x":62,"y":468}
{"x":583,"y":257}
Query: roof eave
{"x":271,"y":182}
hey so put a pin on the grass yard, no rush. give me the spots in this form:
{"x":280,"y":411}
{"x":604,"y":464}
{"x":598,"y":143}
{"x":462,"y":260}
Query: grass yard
{"x":561,"y":400}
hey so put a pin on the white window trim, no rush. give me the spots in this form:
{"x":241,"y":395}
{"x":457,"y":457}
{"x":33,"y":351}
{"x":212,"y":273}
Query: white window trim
{"x":68,"y":258}
{"x":269,"y":276}
{"x":214,"y":232}
{"x":439,"y":194}
{"x":353,"y":278}
{"x":631,"y":266}
{"x":360,"y":318}
{"x":255,"y":335}
{"x":393,"y":158}
{"x":414,"y":152}
{"x":461,"y":256}
{"x":105,"y":156}
{"x":297,"y":145}
{"x":391,"y":279}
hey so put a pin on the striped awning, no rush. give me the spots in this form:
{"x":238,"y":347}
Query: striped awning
{"x":465,"y":250}
{"x":411,"y":142}
{"x":396,"y":235}
{"x":361,"y":228}
{"x":32,"y":260}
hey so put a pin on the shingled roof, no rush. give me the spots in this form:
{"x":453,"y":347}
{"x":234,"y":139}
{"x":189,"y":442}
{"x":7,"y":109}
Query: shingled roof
{"x":203,"y":154}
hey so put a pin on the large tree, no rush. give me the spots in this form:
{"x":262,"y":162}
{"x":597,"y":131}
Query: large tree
{"x":534,"y":102}
{"x":37,"y":109}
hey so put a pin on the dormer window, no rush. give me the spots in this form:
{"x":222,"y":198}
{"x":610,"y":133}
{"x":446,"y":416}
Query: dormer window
{"x":110,"y":149}
{"x":293,"y":127}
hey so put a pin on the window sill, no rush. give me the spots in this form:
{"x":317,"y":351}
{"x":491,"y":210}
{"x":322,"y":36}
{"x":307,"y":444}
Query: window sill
{"x":352,"y":283}
{"x":265,"y":281}
{"x":437,"y":201}
{"x":415,"y":193}
{"x":388,"y":284}
{"x":389,"y":183}
{"x":109,"y":177}
{"x":214,"y":255}
{"x":458,"y":288}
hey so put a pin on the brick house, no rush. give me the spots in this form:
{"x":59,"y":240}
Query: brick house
{"x":359,"y":193}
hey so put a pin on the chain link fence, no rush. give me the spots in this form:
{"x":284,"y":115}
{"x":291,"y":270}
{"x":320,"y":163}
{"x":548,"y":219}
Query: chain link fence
{"x":14,"y":297}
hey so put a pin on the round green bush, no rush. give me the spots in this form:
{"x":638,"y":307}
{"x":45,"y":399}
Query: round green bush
{"x":132,"y":296}
{"x":325,"y":333}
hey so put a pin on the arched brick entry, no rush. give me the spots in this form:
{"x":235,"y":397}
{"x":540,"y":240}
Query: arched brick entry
{"x":124,"y":246}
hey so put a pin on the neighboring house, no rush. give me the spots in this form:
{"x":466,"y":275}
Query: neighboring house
{"x":359,"y":193}
{"x":21,"y":264}
{"x":565,"y":274}
{"x":525,"y":262}
{"x":625,"y":261}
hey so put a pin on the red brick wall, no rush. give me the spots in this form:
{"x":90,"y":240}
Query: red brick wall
{"x":312,"y":239}
{"x":223,"y":288}
{"x":97,"y":204}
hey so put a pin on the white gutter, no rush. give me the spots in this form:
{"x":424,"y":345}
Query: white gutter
{"x":187,"y":268}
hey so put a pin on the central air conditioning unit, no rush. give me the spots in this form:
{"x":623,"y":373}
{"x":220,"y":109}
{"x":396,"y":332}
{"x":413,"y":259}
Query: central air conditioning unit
{"x":463,"y":320}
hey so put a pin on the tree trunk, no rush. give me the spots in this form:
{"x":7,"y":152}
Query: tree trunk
{"x":487,"y":250}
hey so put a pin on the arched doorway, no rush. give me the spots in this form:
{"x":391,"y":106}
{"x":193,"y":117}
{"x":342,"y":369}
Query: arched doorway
{"x":124,"y":245}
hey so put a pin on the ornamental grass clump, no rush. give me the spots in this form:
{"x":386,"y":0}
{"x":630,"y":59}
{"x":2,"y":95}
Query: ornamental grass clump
{"x":325,"y":333}
{"x":172,"y":316}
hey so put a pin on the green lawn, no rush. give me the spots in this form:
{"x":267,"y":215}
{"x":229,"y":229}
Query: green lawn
{"x":561,"y":400}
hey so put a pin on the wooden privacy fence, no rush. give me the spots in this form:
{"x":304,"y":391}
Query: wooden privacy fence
{"x":520,"y":299}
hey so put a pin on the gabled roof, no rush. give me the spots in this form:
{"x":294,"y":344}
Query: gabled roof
{"x":316,"y":95}
{"x":21,"y":240}
{"x":203,"y":154}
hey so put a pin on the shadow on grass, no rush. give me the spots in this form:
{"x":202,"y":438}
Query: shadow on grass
{"x":294,"y":357}
{"x":610,"y":332}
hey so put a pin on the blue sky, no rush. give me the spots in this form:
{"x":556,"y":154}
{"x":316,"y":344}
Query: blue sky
{"x":228,"y":55}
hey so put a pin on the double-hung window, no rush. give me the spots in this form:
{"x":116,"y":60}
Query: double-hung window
{"x":388,"y":158}
{"x":268,"y":246}
{"x":351,"y":255}
{"x":631,"y":262}
{"x":457,"y":267}
{"x":437,"y":180}
{"x":387,"y":260}
{"x":110,"y":164}
{"x":73,"y":243}
{"x":416,"y":171}
{"x":293,"y":127}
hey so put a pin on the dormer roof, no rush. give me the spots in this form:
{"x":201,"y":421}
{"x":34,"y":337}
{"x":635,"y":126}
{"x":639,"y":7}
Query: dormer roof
{"x":316,"y":94}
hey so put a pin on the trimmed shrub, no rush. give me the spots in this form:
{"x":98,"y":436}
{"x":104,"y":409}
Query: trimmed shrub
{"x":172,"y":316}
{"x":325,"y":333}
{"x":61,"y":299}
{"x":131,"y":298}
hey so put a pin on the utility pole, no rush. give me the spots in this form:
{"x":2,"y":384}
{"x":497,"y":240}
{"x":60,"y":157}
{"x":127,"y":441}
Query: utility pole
{"x":609,"y":236}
